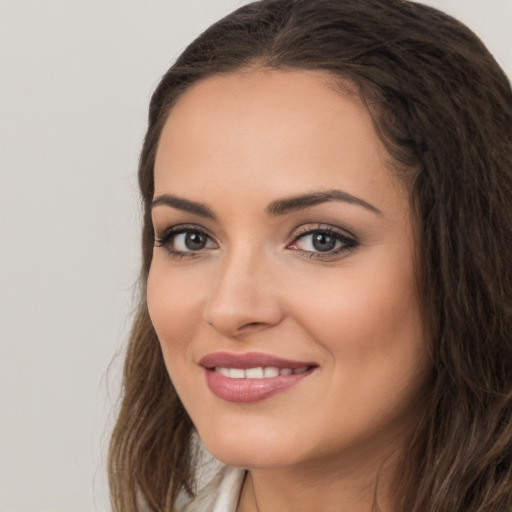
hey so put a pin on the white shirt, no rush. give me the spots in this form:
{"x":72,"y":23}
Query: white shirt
{"x":221,"y":494}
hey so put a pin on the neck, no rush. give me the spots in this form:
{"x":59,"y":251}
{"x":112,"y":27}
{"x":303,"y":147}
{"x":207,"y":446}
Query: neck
{"x":350,"y":486}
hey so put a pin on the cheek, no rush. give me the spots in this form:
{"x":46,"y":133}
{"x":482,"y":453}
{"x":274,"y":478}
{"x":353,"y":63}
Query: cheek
{"x":354,"y":308}
{"x":174,"y":306}
{"x":370,"y":326}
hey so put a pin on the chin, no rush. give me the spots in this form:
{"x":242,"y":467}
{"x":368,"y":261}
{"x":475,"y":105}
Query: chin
{"x":250,"y":450}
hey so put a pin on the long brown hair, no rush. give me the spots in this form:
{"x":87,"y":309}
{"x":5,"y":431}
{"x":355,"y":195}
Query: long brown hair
{"x":443,"y":107}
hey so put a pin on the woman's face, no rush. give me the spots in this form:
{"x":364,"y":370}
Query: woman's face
{"x":282,"y":285}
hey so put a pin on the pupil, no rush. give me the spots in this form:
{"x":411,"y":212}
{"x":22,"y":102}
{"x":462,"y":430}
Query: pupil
{"x":323,"y":242}
{"x":195,"y":241}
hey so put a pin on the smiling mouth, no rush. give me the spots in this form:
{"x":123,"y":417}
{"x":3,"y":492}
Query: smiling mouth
{"x":259,"y":372}
{"x":252,"y":377}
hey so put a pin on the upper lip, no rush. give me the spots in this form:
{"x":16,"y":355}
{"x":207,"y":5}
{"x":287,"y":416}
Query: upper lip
{"x":250,"y":360}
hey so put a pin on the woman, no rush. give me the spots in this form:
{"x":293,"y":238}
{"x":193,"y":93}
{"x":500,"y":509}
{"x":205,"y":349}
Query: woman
{"x":326,"y":282}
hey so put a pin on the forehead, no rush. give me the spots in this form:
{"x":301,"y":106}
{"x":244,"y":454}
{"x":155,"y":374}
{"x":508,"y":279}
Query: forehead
{"x":292,"y":129}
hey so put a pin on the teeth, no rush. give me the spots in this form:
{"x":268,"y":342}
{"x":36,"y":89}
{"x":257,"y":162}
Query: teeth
{"x":271,"y":372}
{"x":258,"y":372}
{"x":236,"y":373}
{"x":223,"y":371}
{"x":255,"y":373}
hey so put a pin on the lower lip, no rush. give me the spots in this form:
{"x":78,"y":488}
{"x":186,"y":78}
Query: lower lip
{"x":251,"y":390}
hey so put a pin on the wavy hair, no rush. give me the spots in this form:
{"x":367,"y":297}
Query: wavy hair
{"x":443,"y":107}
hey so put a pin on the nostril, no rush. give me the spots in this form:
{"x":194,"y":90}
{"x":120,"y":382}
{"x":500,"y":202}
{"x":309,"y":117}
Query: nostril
{"x":251,"y":325}
{"x":234,"y":308}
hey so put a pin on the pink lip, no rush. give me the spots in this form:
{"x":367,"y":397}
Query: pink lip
{"x":249,"y":360}
{"x":251,"y":390}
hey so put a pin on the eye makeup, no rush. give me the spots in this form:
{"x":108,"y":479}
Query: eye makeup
{"x":320,"y":241}
{"x":323,"y":241}
{"x":185,"y":241}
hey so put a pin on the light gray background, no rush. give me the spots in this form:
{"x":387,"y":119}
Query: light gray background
{"x":75,"y":81}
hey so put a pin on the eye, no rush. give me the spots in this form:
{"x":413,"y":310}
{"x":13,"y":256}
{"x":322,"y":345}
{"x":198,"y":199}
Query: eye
{"x":183,"y":241}
{"x":190,"y":241}
{"x":322,"y":242}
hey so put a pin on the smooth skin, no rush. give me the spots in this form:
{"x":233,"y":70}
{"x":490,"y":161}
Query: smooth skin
{"x":332,"y":283}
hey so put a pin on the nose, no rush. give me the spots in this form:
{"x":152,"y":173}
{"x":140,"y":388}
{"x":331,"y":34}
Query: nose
{"x":243,"y":298}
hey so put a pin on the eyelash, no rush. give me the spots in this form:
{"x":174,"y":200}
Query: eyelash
{"x":348,"y":242}
{"x":167,"y":236}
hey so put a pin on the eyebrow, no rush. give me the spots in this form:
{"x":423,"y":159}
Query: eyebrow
{"x":184,"y":204}
{"x":275,"y":208}
{"x":290,"y":204}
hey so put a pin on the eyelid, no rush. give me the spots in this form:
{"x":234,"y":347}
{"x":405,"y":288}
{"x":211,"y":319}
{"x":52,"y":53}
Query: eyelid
{"x":180,"y":228}
{"x":314,"y":227}
{"x":348,"y":240}
{"x":163,"y":239}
